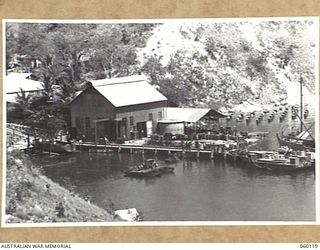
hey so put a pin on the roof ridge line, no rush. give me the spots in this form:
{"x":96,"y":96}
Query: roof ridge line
{"x":105,"y":84}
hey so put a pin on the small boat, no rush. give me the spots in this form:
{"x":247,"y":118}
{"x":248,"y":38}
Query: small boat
{"x":295,"y":143}
{"x":149,"y":169}
{"x":304,"y":140}
{"x":281,"y":163}
{"x":246,"y":158}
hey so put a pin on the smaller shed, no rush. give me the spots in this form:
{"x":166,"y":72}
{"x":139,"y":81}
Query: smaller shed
{"x":184,"y":120}
{"x":14,"y":82}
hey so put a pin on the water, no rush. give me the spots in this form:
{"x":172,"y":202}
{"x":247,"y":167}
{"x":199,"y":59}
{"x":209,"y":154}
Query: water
{"x":198,"y":190}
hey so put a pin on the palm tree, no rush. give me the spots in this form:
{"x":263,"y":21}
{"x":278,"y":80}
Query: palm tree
{"x":22,"y":109}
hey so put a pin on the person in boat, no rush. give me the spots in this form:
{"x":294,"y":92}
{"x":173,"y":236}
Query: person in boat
{"x":143,"y":165}
{"x":140,"y":167}
{"x":154,"y":165}
{"x":149,"y":164}
{"x":146,"y":165}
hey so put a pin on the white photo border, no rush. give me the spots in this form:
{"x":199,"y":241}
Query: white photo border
{"x":316,"y":20}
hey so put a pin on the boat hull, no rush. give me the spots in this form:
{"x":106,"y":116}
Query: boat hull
{"x":296,"y":144}
{"x":250,"y":160}
{"x":149,"y":172}
{"x":278,"y":166}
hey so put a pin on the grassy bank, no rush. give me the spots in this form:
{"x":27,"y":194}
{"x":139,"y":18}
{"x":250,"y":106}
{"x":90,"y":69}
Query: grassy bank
{"x":32,"y":197}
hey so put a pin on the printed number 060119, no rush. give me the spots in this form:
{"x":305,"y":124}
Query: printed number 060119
{"x":308,"y":245}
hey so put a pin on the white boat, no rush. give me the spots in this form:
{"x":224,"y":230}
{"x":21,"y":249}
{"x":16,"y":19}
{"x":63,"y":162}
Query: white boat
{"x":281,"y":163}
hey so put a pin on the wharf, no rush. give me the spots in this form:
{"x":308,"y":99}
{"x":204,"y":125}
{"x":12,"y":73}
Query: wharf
{"x":215,"y":151}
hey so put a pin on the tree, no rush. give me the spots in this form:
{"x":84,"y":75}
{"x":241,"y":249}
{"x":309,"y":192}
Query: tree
{"x":225,"y":64}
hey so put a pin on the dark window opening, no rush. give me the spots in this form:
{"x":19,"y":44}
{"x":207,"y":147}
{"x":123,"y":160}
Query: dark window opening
{"x":131,"y":120}
{"x":124,"y":120}
{"x":125,"y":124}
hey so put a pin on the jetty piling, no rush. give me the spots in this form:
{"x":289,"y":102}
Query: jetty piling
{"x":211,"y":152}
{"x":198,"y":153}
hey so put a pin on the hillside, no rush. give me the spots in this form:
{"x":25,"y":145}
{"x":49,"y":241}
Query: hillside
{"x":31,"y":197}
{"x":227,"y":63}
{"x":218,"y":64}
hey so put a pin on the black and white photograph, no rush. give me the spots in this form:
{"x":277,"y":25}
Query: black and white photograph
{"x":160,"y":122}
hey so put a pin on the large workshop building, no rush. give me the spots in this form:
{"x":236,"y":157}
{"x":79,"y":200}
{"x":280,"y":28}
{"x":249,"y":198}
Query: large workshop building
{"x":118,"y":108}
{"x":130,"y":108}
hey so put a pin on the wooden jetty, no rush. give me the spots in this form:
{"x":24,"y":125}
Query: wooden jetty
{"x":217,"y":150}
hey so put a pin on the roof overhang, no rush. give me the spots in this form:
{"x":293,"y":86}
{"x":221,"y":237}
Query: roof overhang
{"x":170,"y":121}
{"x":107,"y":119}
{"x":191,"y":115}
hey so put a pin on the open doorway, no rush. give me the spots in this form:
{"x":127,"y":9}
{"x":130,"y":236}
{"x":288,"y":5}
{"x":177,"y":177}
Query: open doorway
{"x":142,"y":129}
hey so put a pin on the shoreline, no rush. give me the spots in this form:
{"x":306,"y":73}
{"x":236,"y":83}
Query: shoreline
{"x":31,"y":197}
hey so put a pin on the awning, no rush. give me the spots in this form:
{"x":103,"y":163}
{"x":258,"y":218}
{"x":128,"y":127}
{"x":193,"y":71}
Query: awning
{"x":170,"y":121}
{"x":190,"y":115}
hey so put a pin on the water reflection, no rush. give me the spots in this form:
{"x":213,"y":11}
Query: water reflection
{"x":198,"y":190}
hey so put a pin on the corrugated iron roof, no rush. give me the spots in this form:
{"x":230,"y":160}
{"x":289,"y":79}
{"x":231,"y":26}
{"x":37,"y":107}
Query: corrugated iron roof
{"x":189,"y":114}
{"x":127,"y":79}
{"x":14,"y":81}
{"x":127,"y":91}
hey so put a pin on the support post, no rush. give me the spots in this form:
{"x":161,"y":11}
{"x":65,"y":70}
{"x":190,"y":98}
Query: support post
{"x":117,"y":135}
{"x":95,"y":132}
{"x":211,"y":155}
